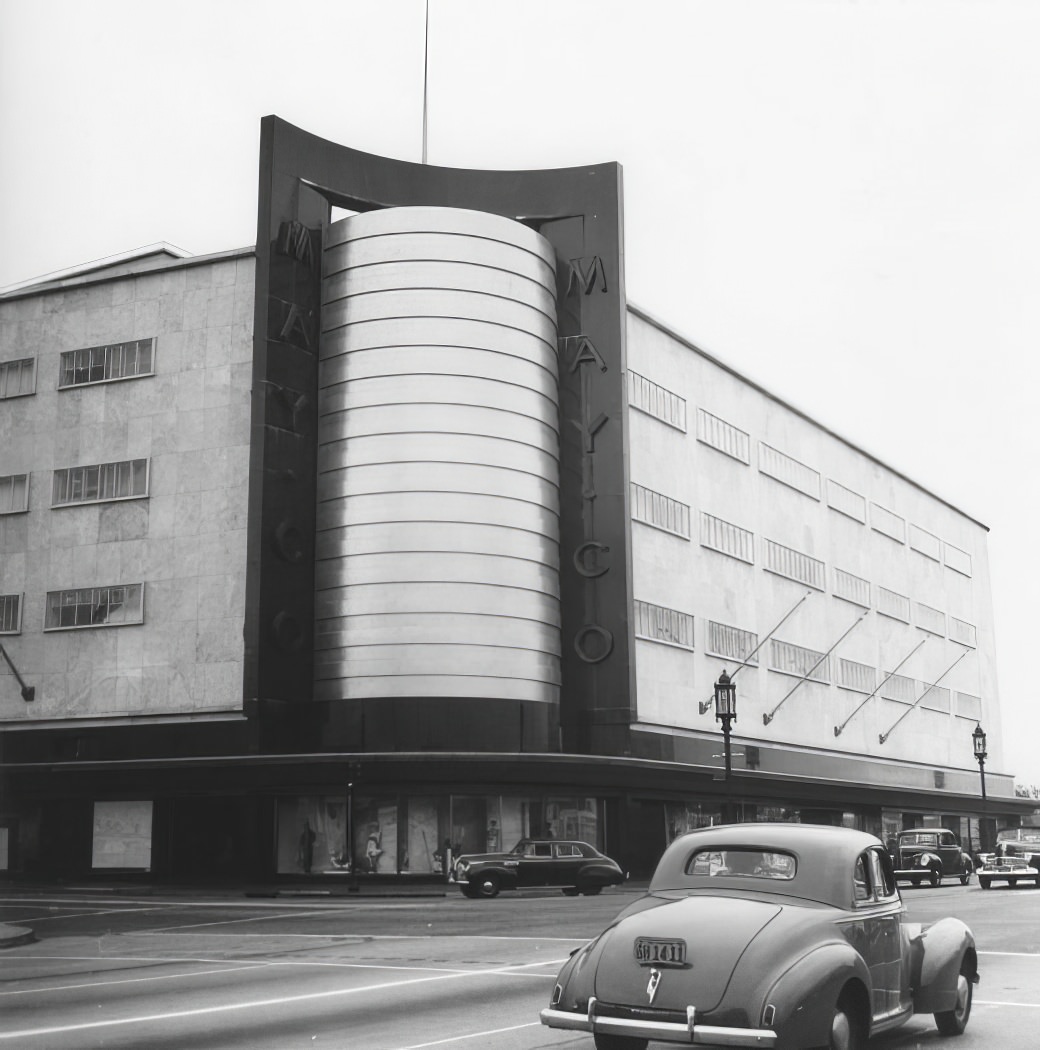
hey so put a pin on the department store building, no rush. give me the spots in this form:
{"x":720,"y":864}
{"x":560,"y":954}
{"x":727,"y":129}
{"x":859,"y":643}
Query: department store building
{"x":406,"y":531}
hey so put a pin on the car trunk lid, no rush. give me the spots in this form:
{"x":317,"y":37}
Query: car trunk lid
{"x":716,"y":930}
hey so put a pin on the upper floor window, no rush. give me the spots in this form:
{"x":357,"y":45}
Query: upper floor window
{"x":102,"y":481}
{"x":95,"y":607}
{"x":18,"y":378}
{"x":103,"y":364}
{"x":14,"y":493}
{"x":10,"y":614}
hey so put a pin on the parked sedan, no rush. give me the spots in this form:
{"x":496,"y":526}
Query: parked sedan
{"x":1011,"y":870}
{"x":927,"y":854}
{"x":576,"y":867}
{"x":766,"y":935}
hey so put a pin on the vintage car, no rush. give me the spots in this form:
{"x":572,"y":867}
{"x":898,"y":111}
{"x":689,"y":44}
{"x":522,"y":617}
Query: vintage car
{"x":766,"y":935}
{"x":1023,"y":843}
{"x":928,"y":854}
{"x":1011,"y":870}
{"x":574,"y":866}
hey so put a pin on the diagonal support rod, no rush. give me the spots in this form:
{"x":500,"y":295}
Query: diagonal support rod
{"x":704,"y":705}
{"x":838,"y":729}
{"x":28,"y":691}
{"x":767,"y":718}
{"x":882,"y":737}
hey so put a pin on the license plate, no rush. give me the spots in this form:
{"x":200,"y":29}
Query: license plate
{"x":652,"y":951}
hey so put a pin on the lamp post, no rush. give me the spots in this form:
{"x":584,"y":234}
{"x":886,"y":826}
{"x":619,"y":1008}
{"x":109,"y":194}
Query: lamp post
{"x":978,"y":743}
{"x":726,"y":713}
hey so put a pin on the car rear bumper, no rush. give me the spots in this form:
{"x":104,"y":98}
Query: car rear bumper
{"x":667,"y":1031}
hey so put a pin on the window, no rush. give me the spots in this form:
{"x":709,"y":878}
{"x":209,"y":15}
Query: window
{"x":846,"y":502}
{"x":17,"y":378}
{"x":655,"y":623}
{"x":795,"y":659}
{"x":732,"y":642}
{"x":721,"y":536}
{"x":663,"y":512}
{"x":95,"y":607}
{"x":956,"y":559}
{"x":856,"y":676}
{"x":787,"y":470}
{"x":10,"y":614}
{"x":103,"y":364}
{"x":794,"y":565}
{"x":928,"y":619}
{"x":891,"y":603}
{"x":963,"y":632}
{"x":723,"y":436}
{"x":888,"y":524}
{"x":852,"y":588}
{"x":103,"y":481}
{"x":14,"y":494}
{"x":881,"y":875}
{"x":656,"y":401}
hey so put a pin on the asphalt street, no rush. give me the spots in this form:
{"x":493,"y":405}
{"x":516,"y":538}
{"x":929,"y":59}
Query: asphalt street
{"x":404,"y":973}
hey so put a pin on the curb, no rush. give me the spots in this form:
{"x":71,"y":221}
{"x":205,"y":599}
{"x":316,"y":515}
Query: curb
{"x":11,"y":936}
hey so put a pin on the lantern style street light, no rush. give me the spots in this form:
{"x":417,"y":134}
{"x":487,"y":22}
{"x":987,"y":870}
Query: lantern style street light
{"x":978,"y":743}
{"x":726,"y":711}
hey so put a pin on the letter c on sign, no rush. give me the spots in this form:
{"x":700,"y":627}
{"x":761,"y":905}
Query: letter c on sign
{"x":593,"y":643}
{"x":581,"y":561}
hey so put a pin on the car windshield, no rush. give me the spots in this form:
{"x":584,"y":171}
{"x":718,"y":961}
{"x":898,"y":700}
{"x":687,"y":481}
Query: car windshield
{"x":742,"y":861}
{"x":1019,"y":835}
{"x":918,"y":839}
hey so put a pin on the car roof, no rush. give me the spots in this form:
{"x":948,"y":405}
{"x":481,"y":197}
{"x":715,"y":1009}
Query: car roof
{"x":825,"y":859}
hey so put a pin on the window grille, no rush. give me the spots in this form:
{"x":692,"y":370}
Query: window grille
{"x":899,"y":687}
{"x":788,"y":470}
{"x":102,"y":481}
{"x":794,"y":565}
{"x":936,"y":698}
{"x":662,"y":512}
{"x":14,"y":493}
{"x":887,"y":523}
{"x":723,"y":436}
{"x":95,"y":607}
{"x":656,"y":401}
{"x":846,"y":502}
{"x":924,"y":542}
{"x":962,"y":632}
{"x":10,"y":613}
{"x":103,"y":364}
{"x":795,"y":659}
{"x":890,"y":603}
{"x":732,"y":643}
{"x":956,"y":559}
{"x":969,"y":706}
{"x":725,"y":538}
{"x":857,"y":676}
{"x":655,"y":623}
{"x":928,"y":619}
{"x":17,"y":378}
{"x":852,"y":588}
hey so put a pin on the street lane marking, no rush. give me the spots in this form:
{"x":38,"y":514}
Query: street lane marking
{"x":1019,"y":1006}
{"x":255,"y":1004}
{"x":129,"y":980}
{"x":1013,"y":955}
{"x":473,"y":1035}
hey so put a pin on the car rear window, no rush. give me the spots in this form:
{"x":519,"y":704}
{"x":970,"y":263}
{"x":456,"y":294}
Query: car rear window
{"x":918,"y":840}
{"x":742,"y":862}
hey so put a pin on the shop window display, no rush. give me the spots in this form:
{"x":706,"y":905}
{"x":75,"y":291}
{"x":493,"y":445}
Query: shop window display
{"x":312,"y":836}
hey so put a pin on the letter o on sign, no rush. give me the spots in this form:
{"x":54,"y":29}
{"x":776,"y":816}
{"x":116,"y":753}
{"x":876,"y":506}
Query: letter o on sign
{"x":288,"y":632}
{"x":593,"y":643}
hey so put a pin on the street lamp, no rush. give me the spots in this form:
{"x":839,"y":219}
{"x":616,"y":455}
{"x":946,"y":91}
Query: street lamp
{"x":978,"y":742}
{"x":726,"y":710}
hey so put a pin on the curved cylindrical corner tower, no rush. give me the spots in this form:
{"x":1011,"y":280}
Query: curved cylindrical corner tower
{"x":437,"y":546}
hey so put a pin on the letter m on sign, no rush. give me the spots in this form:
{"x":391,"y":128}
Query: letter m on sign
{"x":584,"y":273}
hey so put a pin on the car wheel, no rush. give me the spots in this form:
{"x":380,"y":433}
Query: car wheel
{"x":846,"y":1029}
{"x":965,"y":875}
{"x":591,"y":891}
{"x":915,"y":879}
{"x":1037,"y":881}
{"x":570,"y":891}
{"x":488,"y":885}
{"x":953,"y":1022}
{"x":984,"y":882}
{"x":618,"y":1042}
{"x":1013,"y":883}
{"x":936,"y":877}
{"x":470,"y":891}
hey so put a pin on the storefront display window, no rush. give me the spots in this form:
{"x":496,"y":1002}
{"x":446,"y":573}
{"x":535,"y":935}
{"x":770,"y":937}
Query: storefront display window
{"x":375,"y":837}
{"x":122,"y":835}
{"x":681,"y":817}
{"x":312,"y":835}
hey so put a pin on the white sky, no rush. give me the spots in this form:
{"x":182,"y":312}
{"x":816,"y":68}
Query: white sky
{"x":837,"y":198}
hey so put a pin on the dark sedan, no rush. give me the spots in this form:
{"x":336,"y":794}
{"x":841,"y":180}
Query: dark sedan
{"x":576,"y":867}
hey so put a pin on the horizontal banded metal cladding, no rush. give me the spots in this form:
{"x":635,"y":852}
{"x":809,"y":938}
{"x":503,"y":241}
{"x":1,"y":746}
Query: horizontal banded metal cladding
{"x":437,"y":547}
